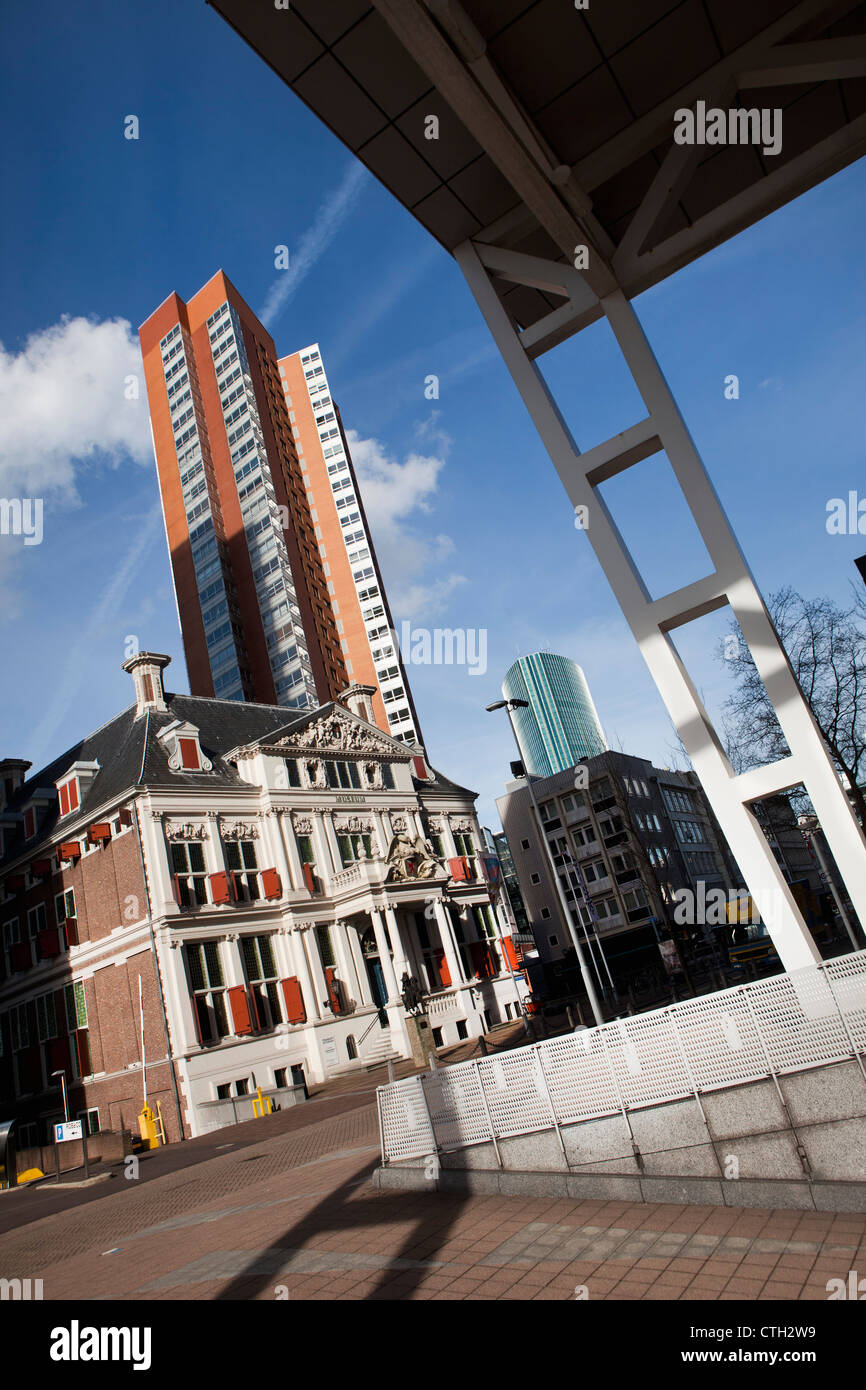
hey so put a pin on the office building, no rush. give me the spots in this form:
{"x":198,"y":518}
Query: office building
{"x":623,"y":846}
{"x":358,"y":599}
{"x":560,"y":727}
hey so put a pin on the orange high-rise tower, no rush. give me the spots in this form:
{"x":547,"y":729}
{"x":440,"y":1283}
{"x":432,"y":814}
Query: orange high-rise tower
{"x":269,"y":605}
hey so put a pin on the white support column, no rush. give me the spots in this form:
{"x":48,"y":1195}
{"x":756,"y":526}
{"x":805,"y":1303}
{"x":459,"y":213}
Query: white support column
{"x":449,"y":944}
{"x":651,"y":621}
{"x":286,"y":833}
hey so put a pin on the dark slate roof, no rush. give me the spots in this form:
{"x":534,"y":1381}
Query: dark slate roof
{"x":127,"y":758}
{"x":124,"y":761}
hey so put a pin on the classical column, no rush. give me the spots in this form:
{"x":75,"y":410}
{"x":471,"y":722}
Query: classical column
{"x":401,"y":955}
{"x":354,"y":947}
{"x":331,"y":837}
{"x":449,"y":943}
{"x":345,"y":963}
{"x":324,"y":862}
{"x":232,"y":962}
{"x":447,"y":838}
{"x":299,"y":967}
{"x":384,"y":955}
{"x":288,"y":849}
{"x":310,"y":947}
{"x":274,"y":843}
{"x":181,"y":1016}
{"x":380,"y":833}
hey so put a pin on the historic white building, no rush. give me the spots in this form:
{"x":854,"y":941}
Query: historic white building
{"x":296,"y":868}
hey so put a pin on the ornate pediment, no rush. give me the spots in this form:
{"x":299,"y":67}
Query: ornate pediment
{"x":337,"y":733}
{"x":240,"y":830}
{"x":189,"y":830}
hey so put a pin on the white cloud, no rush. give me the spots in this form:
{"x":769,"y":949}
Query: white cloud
{"x":63,"y":404}
{"x":394,"y":494}
{"x":315,"y":241}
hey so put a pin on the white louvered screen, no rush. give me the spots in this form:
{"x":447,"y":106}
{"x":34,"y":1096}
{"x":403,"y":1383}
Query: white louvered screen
{"x":783,"y":1024}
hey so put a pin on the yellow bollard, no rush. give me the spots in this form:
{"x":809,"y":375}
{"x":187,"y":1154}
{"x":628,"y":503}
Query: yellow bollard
{"x":147,"y":1128}
{"x":262,"y":1105}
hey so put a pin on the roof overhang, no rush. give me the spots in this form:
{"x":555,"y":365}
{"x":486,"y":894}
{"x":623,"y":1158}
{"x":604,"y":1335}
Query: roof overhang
{"x":556,"y":124}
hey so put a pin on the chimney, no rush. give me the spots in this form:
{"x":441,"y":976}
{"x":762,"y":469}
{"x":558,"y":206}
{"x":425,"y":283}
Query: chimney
{"x":146,"y":669}
{"x":12,"y":774}
{"x":359,"y":700}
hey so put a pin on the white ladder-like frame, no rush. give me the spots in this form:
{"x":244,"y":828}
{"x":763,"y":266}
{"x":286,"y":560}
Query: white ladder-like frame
{"x":652,"y":620}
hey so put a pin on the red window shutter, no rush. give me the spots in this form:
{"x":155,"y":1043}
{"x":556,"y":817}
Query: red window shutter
{"x":272,"y":886}
{"x":48,"y":943}
{"x":444,"y":972}
{"x":96,"y":834}
{"x":510,"y":952}
{"x":70,"y":849}
{"x":255,"y":1012}
{"x":29,"y":823}
{"x":238,"y":887}
{"x":73,"y":794}
{"x":175,"y":883}
{"x":294,"y":999}
{"x":70,"y":927}
{"x":14,"y":883}
{"x":82,"y":1051}
{"x":309,"y":877}
{"x":59,"y":1055}
{"x":481,"y":959}
{"x":457,"y":869}
{"x":125,"y":817}
{"x":420,"y":769}
{"x":63,"y":795}
{"x":41,"y":868}
{"x":189,"y":754}
{"x":219,"y":888}
{"x":239,"y":1005}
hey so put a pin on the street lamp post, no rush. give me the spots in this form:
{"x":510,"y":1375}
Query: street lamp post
{"x":62,"y":1075}
{"x":508,"y":706}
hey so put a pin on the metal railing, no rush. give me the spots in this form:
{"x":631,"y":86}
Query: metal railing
{"x":765,"y":1029}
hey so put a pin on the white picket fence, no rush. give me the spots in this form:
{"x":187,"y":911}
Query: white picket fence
{"x":783,"y":1024}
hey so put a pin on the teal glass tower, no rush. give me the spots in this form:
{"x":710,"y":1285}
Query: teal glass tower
{"x":561,"y":726}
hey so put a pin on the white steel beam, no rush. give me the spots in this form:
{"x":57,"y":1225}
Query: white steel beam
{"x":644,"y":134}
{"x":424,"y":40}
{"x":746,"y":207}
{"x":652,"y":620}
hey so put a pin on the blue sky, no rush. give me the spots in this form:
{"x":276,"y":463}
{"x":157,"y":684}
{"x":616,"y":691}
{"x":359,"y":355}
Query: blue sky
{"x":473,"y":527}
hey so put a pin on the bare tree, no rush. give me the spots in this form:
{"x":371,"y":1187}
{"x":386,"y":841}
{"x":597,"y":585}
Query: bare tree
{"x":826,"y":646}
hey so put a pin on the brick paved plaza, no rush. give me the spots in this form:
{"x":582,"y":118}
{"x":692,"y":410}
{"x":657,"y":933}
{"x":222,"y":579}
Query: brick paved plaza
{"x":283,"y":1208}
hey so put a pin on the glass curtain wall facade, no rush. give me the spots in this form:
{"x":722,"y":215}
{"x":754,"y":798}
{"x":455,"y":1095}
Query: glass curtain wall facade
{"x":561,"y":726}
